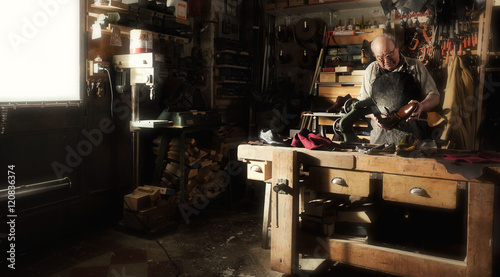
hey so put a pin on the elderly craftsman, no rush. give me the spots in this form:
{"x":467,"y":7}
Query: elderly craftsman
{"x":394,"y":81}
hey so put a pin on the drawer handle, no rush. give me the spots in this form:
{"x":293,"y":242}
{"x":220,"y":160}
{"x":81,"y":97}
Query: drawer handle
{"x":256,"y":168}
{"x":339,"y":181}
{"x":419,"y":192}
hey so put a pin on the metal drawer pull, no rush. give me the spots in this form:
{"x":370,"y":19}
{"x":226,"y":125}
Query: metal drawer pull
{"x":339,"y":181}
{"x":419,"y":192}
{"x":256,"y":168}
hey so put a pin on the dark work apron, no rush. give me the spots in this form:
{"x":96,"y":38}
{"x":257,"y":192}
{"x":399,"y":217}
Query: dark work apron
{"x":393,"y":90}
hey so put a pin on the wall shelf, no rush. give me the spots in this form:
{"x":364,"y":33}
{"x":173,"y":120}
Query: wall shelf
{"x":114,"y":6}
{"x":324,"y":7}
{"x":231,"y":66}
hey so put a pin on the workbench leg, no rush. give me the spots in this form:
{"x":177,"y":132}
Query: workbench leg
{"x":284,"y":255}
{"x":266,"y":216}
{"x":480,"y":229}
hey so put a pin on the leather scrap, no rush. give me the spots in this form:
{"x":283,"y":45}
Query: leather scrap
{"x":311,"y":141}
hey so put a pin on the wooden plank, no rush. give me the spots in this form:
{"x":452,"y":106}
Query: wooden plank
{"x":439,"y":193}
{"x":284,"y":257}
{"x":382,"y":258}
{"x":482,"y":46}
{"x":405,"y":166}
{"x":358,"y":39}
{"x":423,"y":167}
{"x":317,"y":70}
{"x":480,"y":229}
{"x":247,"y":152}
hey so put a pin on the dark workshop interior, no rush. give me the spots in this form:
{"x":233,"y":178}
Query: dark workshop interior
{"x":250,"y":138}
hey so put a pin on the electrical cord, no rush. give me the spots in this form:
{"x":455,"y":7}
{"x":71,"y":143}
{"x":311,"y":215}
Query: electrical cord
{"x":111,"y":88}
{"x":148,"y":231}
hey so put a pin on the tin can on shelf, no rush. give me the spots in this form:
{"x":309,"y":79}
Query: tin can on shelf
{"x":141,"y":41}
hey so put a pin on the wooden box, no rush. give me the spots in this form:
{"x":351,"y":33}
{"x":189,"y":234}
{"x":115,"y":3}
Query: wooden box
{"x":351,"y":78}
{"x":327,"y":77}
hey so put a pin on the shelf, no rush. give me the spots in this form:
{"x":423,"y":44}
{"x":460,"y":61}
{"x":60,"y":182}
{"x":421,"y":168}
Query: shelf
{"x":235,"y":52}
{"x":150,"y":124}
{"x":492,"y":69}
{"x":125,"y":31}
{"x":232,"y":82}
{"x":231,"y":66}
{"x":324,"y":7}
{"x":337,"y":83}
{"x":114,"y":6}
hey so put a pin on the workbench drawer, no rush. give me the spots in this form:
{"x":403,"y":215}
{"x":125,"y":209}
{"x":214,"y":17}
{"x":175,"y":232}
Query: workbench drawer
{"x":259,"y":170}
{"x":420,"y":191}
{"x":339,"y":181}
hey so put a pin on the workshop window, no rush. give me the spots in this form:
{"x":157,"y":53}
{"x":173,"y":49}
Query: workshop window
{"x":41,"y":49}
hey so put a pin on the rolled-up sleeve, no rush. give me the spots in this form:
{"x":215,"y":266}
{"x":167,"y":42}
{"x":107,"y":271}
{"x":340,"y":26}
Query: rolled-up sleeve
{"x":427,"y":84}
{"x":368,"y":78}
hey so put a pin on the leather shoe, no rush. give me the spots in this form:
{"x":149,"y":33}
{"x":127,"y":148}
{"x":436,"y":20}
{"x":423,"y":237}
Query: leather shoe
{"x":268,"y":136}
{"x":339,"y":103}
{"x":397,"y":116}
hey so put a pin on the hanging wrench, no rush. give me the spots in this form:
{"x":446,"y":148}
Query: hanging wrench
{"x":414,"y":42}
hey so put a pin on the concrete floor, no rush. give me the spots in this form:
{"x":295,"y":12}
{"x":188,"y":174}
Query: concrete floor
{"x":220,"y":241}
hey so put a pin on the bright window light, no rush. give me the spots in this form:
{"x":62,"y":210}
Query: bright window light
{"x":40,"y":49}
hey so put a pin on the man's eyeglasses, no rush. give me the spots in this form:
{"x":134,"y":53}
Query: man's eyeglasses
{"x":388,"y":56}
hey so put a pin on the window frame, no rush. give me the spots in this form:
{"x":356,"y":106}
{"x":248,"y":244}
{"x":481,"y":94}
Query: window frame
{"x":81,"y":69}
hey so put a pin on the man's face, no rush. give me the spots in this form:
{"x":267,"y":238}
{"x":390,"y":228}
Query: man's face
{"x":386,"y":53}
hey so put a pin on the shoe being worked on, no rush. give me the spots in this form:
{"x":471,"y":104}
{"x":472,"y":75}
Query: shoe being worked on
{"x":397,"y":116}
{"x":268,"y":136}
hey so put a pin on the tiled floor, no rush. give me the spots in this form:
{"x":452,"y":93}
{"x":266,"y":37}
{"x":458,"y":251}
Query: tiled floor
{"x":219,"y":242}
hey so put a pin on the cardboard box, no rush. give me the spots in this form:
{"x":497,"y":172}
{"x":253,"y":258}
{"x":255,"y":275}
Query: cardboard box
{"x":151,"y":218}
{"x":180,"y":8}
{"x":142,"y":198}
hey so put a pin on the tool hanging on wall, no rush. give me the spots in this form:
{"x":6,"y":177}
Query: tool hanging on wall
{"x":306,"y":58}
{"x":310,"y":30}
{"x":283,"y":33}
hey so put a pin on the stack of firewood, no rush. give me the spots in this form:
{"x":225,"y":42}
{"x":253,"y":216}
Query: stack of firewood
{"x":202,"y":168}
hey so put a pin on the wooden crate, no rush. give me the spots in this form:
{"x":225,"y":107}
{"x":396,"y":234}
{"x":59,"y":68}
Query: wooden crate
{"x":327,"y":77}
{"x":350,"y":78}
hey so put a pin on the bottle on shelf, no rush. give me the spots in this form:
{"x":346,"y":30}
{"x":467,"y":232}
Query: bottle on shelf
{"x":350,"y":27}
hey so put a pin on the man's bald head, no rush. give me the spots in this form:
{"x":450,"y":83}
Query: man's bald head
{"x":386,"y":51}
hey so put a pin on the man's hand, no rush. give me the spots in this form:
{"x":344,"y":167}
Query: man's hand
{"x":417,"y":112}
{"x":374,"y":118}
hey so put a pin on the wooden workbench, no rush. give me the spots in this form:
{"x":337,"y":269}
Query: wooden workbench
{"x":398,"y":176}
